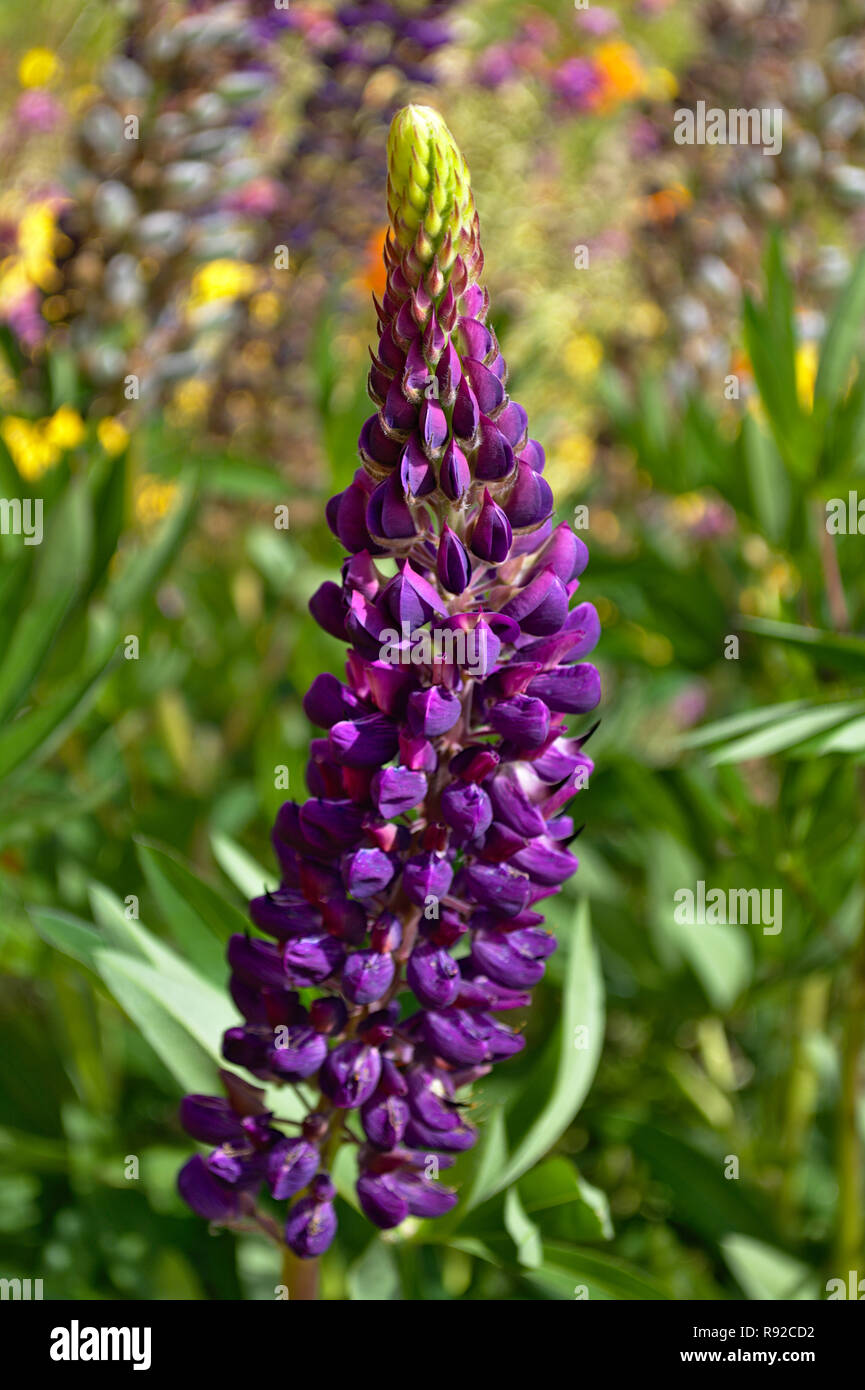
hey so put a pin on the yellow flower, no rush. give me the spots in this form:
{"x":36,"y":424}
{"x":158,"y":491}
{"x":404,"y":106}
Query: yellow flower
{"x":65,"y":428}
{"x":661,"y":84}
{"x":191,"y":398}
{"x":112,"y":435}
{"x":32,"y":452}
{"x":807,"y":359}
{"x":688,"y":508}
{"x":646,"y":319}
{"x":154,"y":498}
{"x":222,"y":279}
{"x":265,"y":309}
{"x":37,"y":232}
{"x":583,"y":355}
{"x":38,"y":67}
{"x":570,"y":463}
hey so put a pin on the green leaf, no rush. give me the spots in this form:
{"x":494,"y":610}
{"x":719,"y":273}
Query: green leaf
{"x":557,"y":1183}
{"x":562,"y":1079}
{"x":241,"y":480}
{"x":140,"y":575}
{"x":742,"y":723}
{"x":196,"y":915}
{"x":36,"y":734}
{"x":765,"y":1273}
{"x":60,"y":573}
{"x":720,"y":956}
{"x":769,"y":484}
{"x":374,"y":1277}
{"x":703,"y":1199}
{"x":833,"y":649}
{"x":572,"y":1272}
{"x":849,"y":738}
{"x":163,"y":1012}
{"x":247,"y":875}
{"x":842,"y":337}
{"x":68,"y":934}
{"x":523,"y":1232}
{"x":182,"y":1019}
{"x":787,"y":733}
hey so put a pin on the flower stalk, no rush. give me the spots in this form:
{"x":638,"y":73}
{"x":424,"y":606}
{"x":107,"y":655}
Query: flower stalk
{"x":406,"y":920}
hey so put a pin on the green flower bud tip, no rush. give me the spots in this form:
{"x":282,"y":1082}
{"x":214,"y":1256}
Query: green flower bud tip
{"x":429,"y":193}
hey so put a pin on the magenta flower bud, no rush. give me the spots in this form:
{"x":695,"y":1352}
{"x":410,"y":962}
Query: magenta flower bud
{"x":516,"y":958}
{"x":523,"y":720}
{"x":210,"y":1119}
{"x":396,"y":790}
{"x":467,"y":809}
{"x":291,"y":1164}
{"x":283,"y":914}
{"x":433,"y":975}
{"x":297,"y":1052}
{"x":455,"y":1140}
{"x":424,"y":1198}
{"x":475,"y":763}
{"x":530,"y":501}
{"x":310,"y":959}
{"x":497,"y":886}
{"x":351,"y":1072}
{"x":512,"y":805}
{"x":466,"y":415}
{"x":310,"y":1228}
{"x":366,"y":742}
{"x":257,"y":962}
{"x":426,"y":877}
{"x":491,"y":534}
{"x":489,"y":391}
{"x":384,"y":1119}
{"x":494,"y":459}
{"x":433,"y":712}
{"x":417,"y":752}
{"x":366,"y":976}
{"x":455,"y":475}
{"x":541,"y":606}
{"x":366,"y":872}
{"x":386,"y":934}
{"x":433,"y":429}
{"x":380,"y":1202}
{"x":545,"y":862}
{"x":453,"y":565}
{"x":328,"y":701}
{"x":208,"y":1196}
{"x":328,"y":1015}
{"x":568,"y":690}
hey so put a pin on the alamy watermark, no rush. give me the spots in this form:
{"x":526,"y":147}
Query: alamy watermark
{"x":22,"y":518}
{"x":720,"y":907}
{"x":761,"y":126}
{"x":420,"y":647}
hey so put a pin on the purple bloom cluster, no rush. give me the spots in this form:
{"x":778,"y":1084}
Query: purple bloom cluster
{"x":437,"y":822}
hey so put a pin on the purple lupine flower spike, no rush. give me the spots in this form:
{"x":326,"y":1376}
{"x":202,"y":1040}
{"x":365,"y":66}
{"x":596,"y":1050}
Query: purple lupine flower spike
{"x":436,"y":818}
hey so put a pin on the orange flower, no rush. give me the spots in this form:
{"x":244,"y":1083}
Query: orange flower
{"x":373,"y":276}
{"x":666,"y":204}
{"x":621,"y":72}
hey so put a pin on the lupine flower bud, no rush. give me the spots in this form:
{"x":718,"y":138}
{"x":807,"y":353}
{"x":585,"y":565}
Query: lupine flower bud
{"x":438,"y":808}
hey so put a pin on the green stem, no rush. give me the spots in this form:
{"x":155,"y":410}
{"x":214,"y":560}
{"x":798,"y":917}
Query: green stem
{"x":851,"y":1172}
{"x":300,"y":1277}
